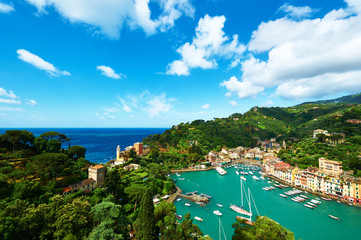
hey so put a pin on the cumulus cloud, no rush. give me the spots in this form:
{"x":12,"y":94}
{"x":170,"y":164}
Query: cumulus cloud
{"x":306,"y":58}
{"x":6,"y":8}
{"x":205,"y":106}
{"x":31,"y":102}
{"x":109,"y":72}
{"x":243,"y":89}
{"x":38,"y":62}
{"x":296,"y":12}
{"x":110,"y":16}
{"x":209,"y":44}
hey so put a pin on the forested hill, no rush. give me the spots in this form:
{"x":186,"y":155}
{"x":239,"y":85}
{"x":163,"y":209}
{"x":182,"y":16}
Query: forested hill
{"x":261,"y":123}
{"x":354,"y":98}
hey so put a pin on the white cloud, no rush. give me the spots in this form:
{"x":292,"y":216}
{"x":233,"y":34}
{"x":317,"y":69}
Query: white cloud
{"x":126,"y":107}
{"x":109,"y":72}
{"x":268,"y":103}
{"x":109,"y":16}
{"x":9,"y":94}
{"x":6,"y":8}
{"x":38,"y":62}
{"x":209,"y":44}
{"x":104,"y":116}
{"x":158,"y":105}
{"x":205,"y":106}
{"x":243,"y":89}
{"x":112,"y":109}
{"x":10,"y":109}
{"x":296,"y":12}
{"x":306,"y":58}
{"x":9,"y":101}
{"x":31,"y":102}
{"x":233,"y":103}
{"x":153,"y":105}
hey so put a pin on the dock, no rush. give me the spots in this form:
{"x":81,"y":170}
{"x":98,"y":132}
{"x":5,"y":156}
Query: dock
{"x":195,"y":198}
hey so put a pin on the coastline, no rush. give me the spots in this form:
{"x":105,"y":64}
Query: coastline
{"x":314,"y":193}
{"x":257,"y":163}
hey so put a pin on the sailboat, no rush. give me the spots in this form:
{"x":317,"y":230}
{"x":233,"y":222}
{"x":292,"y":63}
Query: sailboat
{"x":248,"y":220}
{"x":240,"y":209}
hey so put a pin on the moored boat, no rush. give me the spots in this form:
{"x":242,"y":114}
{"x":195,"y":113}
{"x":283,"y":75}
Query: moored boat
{"x":247,"y":221}
{"x":336,"y":218}
{"x":306,"y":205}
{"x":240,"y":210}
{"x":198,"y":218}
{"x":282,"y":195}
{"x":221,"y":171}
{"x":255,"y":178}
{"x":187,"y":204}
{"x":312,"y":204}
{"x":219,"y":205}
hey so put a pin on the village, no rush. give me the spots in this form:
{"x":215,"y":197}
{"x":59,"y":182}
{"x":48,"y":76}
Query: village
{"x":327,"y":179}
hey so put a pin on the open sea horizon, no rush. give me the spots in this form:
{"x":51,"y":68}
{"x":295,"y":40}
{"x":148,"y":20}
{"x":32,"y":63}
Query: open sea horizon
{"x":100,"y":143}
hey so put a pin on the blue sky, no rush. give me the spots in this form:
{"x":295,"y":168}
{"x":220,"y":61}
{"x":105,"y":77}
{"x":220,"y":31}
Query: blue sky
{"x":156,"y":63}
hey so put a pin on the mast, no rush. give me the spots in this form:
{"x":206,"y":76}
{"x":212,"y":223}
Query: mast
{"x":242,"y":192}
{"x":249,"y":202}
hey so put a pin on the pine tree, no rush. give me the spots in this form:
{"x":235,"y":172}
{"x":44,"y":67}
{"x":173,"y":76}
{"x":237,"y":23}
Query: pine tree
{"x":145,"y":224}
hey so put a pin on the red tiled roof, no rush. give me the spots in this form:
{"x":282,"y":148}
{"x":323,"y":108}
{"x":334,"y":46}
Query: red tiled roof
{"x":97,"y":166}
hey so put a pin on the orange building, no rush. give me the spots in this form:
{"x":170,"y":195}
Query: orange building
{"x":138,"y":148}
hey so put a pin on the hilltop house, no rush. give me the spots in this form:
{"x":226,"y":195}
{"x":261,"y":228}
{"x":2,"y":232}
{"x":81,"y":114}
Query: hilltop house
{"x":96,"y":175}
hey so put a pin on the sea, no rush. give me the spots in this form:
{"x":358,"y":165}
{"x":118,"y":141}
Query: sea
{"x":306,"y":223}
{"x":100,"y":143}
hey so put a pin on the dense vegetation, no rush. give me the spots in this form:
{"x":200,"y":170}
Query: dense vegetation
{"x":263,"y":229}
{"x":33,"y":171}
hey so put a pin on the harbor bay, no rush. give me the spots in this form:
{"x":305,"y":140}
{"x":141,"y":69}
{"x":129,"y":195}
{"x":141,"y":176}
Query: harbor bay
{"x":306,"y":223}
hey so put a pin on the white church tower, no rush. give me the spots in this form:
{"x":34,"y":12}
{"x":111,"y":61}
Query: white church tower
{"x":118,"y":153}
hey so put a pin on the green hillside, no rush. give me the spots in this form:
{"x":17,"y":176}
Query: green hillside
{"x":293,"y":124}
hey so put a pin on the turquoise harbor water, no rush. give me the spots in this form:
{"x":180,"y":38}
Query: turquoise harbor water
{"x":304,"y":222}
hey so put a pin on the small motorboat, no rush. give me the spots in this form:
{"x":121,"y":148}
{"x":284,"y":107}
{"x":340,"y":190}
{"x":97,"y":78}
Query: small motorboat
{"x":243,"y":178}
{"x":336,"y":218}
{"x":219,"y":205}
{"x":187,"y":204}
{"x":178,"y":199}
{"x":198,"y":218}
{"x":218,"y":213}
{"x":306,"y":205}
